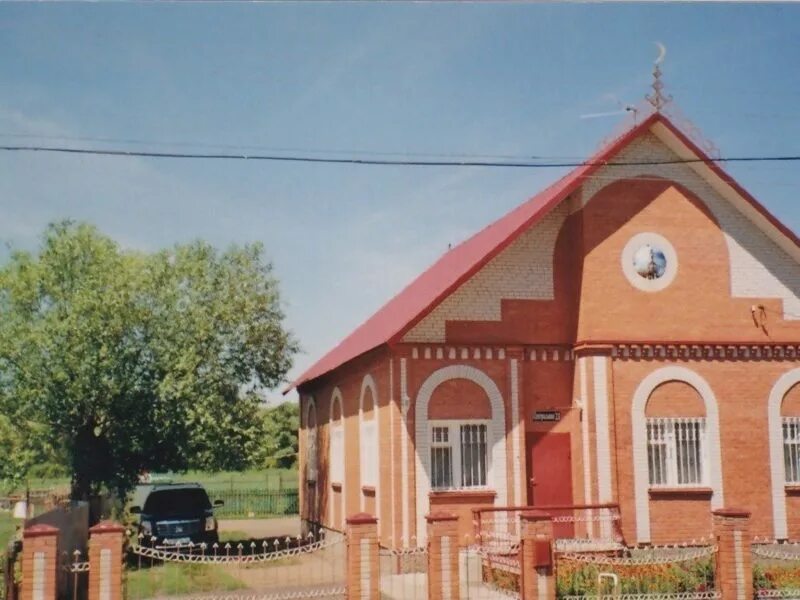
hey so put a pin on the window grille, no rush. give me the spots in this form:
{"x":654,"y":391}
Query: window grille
{"x":441,"y":458}
{"x":463,"y":445}
{"x":791,"y":449}
{"x":676,"y":451}
{"x":473,"y":455}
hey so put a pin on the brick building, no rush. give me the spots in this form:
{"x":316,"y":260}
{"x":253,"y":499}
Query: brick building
{"x":631,"y":335}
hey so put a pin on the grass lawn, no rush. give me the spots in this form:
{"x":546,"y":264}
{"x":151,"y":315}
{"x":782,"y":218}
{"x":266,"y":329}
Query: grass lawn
{"x":8,"y":526}
{"x":178,"y":579}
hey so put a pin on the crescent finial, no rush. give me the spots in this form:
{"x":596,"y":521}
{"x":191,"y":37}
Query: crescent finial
{"x":662,"y":52}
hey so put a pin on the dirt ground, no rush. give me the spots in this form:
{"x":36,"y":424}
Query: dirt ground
{"x":263,"y":528}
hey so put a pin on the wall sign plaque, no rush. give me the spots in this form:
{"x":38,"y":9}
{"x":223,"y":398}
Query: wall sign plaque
{"x":547,"y":415}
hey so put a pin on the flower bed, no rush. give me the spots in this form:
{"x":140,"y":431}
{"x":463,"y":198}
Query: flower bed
{"x":575,"y":578}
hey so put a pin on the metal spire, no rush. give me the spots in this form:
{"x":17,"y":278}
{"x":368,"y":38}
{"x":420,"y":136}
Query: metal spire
{"x":658,"y":99}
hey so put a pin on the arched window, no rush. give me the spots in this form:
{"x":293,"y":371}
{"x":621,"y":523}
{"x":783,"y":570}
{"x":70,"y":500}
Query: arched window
{"x":459,"y":420}
{"x":790,"y":425}
{"x":676,"y":436}
{"x":312,"y":434}
{"x":368,"y":436}
{"x":337,"y":439}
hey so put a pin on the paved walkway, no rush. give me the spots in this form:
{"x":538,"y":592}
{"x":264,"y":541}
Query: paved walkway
{"x":263,"y":528}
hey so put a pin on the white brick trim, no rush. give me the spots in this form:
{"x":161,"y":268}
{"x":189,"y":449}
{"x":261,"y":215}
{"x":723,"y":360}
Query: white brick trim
{"x":336,"y":396}
{"x":447,"y":575}
{"x":105,"y":574}
{"x":784,"y":383}
{"x":522,"y":271}
{"x":39,"y":579}
{"x":760,"y":266}
{"x":639,"y":426}
{"x":364,"y":567}
{"x":404,"y":404}
{"x":585,"y":444}
{"x":738,"y":553}
{"x":516,"y":432}
{"x":496,"y":475}
{"x":601,"y":425}
{"x":392,"y":454}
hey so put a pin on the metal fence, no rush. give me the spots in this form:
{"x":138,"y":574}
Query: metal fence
{"x":288,"y":568}
{"x":255,"y":503}
{"x":776,"y":569}
{"x":685,"y":570}
{"x":583,"y":527}
{"x":403,"y":573}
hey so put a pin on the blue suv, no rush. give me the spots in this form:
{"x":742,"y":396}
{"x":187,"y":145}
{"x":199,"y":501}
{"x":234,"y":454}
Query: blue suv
{"x":175,"y":513}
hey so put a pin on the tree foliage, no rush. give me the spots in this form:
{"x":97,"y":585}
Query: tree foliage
{"x":124,"y":362}
{"x":281,"y":424}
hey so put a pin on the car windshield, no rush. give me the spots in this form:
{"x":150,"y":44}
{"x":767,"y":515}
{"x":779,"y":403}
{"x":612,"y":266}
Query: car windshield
{"x":177,"y":501}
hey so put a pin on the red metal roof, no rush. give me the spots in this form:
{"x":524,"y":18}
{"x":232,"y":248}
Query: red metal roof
{"x":457,"y":265}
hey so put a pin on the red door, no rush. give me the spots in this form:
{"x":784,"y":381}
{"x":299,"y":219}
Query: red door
{"x":550,"y":475}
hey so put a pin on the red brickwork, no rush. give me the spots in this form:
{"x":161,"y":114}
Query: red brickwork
{"x":39,"y":563}
{"x":734,"y":568}
{"x":537,"y":560}
{"x":588,"y":308}
{"x":443,"y":548}
{"x":105,"y":561}
{"x":363,"y":573}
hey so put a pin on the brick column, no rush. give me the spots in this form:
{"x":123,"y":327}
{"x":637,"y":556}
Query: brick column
{"x":39,"y":563}
{"x":443,"y":576}
{"x":105,"y":561}
{"x":536,"y":556}
{"x":734,"y":563}
{"x":363,"y":576}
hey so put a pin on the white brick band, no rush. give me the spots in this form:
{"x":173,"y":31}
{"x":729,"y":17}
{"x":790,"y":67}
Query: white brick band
{"x":105,"y":574}
{"x":365,"y":576}
{"x":37,"y":586}
{"x":447,"y":575}
{"x":586,"y":450}
{"x":516,"y":432}
{"x":601,"y":424}
{"x":739,"y":559}
{"x":759,"y":267}
{"x":404,"y":402}
{"x":522,"y":271}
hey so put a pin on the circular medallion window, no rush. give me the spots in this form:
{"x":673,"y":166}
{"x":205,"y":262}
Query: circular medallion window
{"x":649,"y":262}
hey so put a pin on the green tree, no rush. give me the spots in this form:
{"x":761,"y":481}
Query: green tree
{"x":280,"y":446}
{"x":130,"y":362}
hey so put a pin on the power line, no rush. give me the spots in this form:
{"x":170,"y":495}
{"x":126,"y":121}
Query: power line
{"x":242,"y":147}
{"x":387,"y":161}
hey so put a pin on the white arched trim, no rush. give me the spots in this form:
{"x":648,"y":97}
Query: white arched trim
{"x":782,"y":386}
{"x":496,"y":469}
{"x":336,"y":430}
{"x":639,"y":423}
{"x":366,"y":454}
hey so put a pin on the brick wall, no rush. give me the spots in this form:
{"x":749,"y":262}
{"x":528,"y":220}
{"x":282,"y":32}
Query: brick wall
{"x":559,"y":293}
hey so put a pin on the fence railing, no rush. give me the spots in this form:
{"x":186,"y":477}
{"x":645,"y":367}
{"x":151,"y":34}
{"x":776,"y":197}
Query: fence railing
{"x":255,"y":503}
{"x":449,"y":566}
{"x":292,"y":567}
{"x":776,"y":569}
{"x":577,"y":527}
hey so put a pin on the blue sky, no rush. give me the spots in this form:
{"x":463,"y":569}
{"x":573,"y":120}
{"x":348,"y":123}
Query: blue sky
{"x":483,"y":79}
